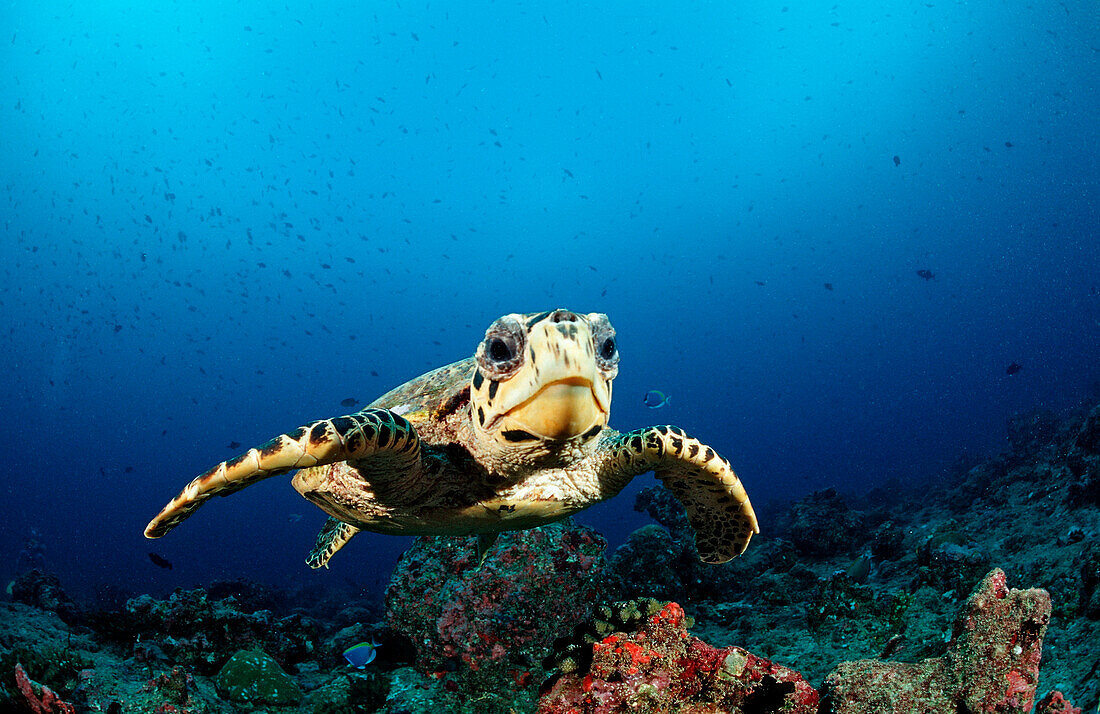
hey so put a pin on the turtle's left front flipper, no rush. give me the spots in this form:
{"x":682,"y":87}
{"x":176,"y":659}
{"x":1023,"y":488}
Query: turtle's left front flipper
{"x":715,"y":500}
{"x":371,"y":436}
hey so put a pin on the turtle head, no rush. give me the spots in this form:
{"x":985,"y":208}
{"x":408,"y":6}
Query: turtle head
{"x":542,"y":387}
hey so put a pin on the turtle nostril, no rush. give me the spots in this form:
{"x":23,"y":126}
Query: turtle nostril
{"x":563,"y":316}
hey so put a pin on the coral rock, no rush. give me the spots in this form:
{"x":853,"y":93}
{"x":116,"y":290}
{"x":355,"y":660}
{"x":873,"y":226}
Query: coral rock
{"x":821,"y":524}
{"x":253,"y":677}
{"x":1055,"y":703}
{"x":488,"y":623}
{"x":43,"y":590}
{"x":1088,"y":438}
{"x":992,"y":662}
{"x":646,"y":564}
{"x":661,"y":668}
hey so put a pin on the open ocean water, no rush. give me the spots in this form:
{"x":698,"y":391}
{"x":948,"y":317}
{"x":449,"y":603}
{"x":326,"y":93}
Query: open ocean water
{"x":847,"y":240}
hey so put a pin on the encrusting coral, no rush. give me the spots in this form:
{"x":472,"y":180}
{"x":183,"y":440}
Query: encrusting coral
{"x":660,"y":667}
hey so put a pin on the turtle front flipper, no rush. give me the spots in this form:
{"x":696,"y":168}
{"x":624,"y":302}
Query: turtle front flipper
{"x":347,"y":438}
{"x":716,"y":503}
{"x":333,"y":536}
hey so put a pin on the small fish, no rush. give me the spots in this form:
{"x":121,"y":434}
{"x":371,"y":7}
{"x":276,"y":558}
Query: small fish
{"x":897,"y":161}
{"x":294,"y":517}
{"x":655,"y":399}
{"x":362,"y":654}
{"x":860,"y":570}
{"x":1013,"y":368}
{"x":160,"y":561}
{"x":926,"y":273}
{"x":349,"y":402}
{"x":828,"y":286}
{"x":234,"y":445}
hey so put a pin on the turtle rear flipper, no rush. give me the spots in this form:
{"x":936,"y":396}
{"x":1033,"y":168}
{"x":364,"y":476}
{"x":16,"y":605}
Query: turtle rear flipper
{"x":355,"y":438}
{"x":333,"y":536}
{"x":717,"y":505}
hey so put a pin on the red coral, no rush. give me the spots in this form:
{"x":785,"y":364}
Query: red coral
{"x":638,"y":654}
{"x":46,"y":701}
{"x":662,"y":668}
{"x":1055,"y":703}
{"x":671,"y":613}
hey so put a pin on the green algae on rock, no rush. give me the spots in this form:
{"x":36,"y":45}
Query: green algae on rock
{"x":252,"y":676}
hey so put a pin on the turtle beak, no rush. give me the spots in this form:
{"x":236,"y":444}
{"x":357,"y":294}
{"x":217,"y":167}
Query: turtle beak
{"x":560,"y":410}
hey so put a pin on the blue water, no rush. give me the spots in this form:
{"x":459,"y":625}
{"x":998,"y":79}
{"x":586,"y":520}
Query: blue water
{"x":222,"y":219}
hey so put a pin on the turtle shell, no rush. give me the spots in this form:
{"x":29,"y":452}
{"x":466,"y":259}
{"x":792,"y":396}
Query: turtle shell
{"x":431,"y":397}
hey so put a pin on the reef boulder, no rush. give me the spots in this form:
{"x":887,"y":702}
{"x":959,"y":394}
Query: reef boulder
{"x":43,"y":590}
{"x":821,"y":525}
{"x":253,"y":677}
{"x":991,"y":664}
{"x":489,"y":624}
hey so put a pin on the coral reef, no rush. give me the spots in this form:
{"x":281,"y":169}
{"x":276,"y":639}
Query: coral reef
{"x":351,"y":692}
{"x":194,"y":629}
{"x":1083,"y":462}
{"x":574,"y":653}
{"x":647,"y":561}
{"x":951,"y":561}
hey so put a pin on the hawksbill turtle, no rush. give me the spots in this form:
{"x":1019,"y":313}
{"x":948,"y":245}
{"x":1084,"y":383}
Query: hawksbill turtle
{"x":512,"y":438}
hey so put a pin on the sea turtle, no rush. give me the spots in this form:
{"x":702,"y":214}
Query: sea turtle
{"x":512,"y":438}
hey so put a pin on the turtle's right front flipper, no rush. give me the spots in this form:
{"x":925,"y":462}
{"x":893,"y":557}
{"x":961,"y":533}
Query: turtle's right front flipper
{"x":352,"y":437}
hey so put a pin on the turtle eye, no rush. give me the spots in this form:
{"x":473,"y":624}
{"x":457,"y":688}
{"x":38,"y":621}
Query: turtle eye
{"x":500,"y":351}
{"x":500,"y":354}
{"x":607,"y":350}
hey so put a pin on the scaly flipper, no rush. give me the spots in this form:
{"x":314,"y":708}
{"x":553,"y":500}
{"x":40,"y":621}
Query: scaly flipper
{"x":333,"y":536}
{"x":363,"y":436}
{"x":717,"y":505}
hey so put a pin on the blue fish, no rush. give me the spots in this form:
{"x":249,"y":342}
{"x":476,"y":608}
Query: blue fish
{"x":362,"y":654}
{"x":655,"y":399}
